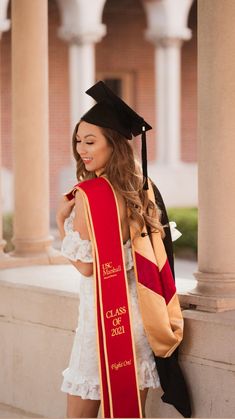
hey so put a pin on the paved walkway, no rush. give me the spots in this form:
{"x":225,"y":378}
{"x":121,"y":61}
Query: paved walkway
{"x":184,"y":270}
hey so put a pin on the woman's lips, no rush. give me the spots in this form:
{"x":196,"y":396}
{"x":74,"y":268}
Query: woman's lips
{"x":87,"y":160}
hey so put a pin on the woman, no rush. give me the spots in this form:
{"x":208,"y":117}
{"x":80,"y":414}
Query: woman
{"x":101,"y":150}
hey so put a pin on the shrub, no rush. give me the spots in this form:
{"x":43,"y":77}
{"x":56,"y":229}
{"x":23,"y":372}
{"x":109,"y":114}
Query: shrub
{"x":186,"y":220}
{"x":8,"y":231}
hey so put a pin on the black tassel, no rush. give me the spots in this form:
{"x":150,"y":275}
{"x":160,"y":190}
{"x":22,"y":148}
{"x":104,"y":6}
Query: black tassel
{"x":144,"y":158}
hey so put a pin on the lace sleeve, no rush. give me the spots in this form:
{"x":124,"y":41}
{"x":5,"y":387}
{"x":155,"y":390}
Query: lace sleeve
{"x":73,"y":247}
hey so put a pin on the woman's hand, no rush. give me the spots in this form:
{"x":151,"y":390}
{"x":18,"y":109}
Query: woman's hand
{"x":64,"y":209}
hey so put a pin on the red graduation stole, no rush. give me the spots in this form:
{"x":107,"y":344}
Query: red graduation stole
{"x":119,"y":386}
{"x":159,"y":304}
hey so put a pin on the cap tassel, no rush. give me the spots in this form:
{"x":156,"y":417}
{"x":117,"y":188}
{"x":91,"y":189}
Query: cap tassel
{"x":144,"y":159}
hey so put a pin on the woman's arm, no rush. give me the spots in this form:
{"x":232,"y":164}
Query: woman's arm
{"x":63,"y":211}
{"x":79,"y":225}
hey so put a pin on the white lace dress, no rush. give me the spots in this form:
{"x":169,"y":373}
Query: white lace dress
{"x":81,"y":378}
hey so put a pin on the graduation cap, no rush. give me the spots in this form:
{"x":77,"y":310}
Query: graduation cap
{"x":111,"y":111}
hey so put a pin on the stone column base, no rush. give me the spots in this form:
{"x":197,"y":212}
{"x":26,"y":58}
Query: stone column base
{"x":28,"y":247}
{"x":51,"y":257}
{"x":204,"y":303}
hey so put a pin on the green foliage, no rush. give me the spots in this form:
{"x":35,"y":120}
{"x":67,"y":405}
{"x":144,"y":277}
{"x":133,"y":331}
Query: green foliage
{"x":8,"y":231}
{"x":186,"y":220}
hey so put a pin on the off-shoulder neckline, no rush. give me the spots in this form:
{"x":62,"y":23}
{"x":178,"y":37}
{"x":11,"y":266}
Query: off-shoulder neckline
{"x":126,"y":244}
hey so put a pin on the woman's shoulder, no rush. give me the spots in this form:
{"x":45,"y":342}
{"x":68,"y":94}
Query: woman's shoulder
{"x":80,"y":221}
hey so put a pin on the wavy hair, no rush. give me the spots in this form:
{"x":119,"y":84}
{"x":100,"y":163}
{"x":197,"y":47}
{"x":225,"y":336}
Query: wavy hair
{"x":125,"y":175}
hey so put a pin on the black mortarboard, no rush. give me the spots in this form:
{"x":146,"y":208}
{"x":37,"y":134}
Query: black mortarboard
{"x":111,"y":111}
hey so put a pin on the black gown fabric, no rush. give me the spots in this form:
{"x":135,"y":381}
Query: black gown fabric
{"x":170,"y":374}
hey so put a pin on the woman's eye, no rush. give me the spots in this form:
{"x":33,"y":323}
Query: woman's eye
{"x":79,"y":141}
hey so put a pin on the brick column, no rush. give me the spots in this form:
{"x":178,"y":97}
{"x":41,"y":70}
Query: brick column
{"x":30,"y":127}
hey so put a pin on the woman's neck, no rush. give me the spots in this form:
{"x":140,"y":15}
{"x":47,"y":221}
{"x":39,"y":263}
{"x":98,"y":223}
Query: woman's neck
{"x":99,"y":172}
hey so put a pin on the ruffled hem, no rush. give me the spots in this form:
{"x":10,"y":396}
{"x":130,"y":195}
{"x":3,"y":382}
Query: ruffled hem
{"x":147,"y":375}
{"x":84,"y":390}
{"x":79,"y":386}
{"x":90,"y":389}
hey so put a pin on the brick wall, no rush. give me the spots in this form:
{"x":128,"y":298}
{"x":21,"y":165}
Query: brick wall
{"x":124,"y":49}
{"x":189,"y":92}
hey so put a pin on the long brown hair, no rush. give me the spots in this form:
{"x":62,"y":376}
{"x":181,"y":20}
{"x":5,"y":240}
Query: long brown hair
{"x":125,"y":175}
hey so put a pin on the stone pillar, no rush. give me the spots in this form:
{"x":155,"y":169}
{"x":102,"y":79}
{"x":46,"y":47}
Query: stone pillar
{"x":82,"y":57}
{"x":167,"y":29}
{"x":30,"y":127}
{"x":81,"y":28}
{"x":4,"y":26}
{"x":215,"y":290}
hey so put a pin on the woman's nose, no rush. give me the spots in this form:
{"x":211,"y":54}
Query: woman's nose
{"x":81,"y":149}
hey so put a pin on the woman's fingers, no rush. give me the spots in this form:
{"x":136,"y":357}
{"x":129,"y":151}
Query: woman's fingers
{"x":65,"y":207}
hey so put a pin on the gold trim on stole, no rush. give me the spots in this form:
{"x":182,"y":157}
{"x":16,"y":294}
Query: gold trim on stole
{"x":95,"y":256}
{"x":128,"y":298}
{"x":95,"y":272}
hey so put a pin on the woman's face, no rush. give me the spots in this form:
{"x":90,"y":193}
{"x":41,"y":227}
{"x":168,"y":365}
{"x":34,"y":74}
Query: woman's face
{"x":92,"y":146}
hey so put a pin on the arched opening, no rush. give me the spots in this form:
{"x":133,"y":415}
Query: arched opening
{"x":125,"y":60}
